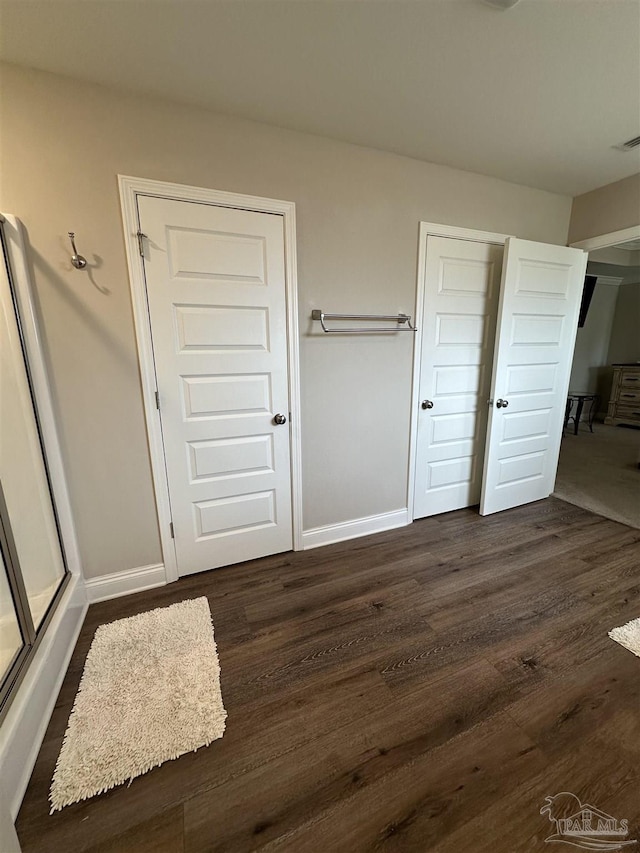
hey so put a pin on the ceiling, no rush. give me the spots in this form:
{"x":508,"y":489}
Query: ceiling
{"x":630,"y":246}
{"x":538,"y":94}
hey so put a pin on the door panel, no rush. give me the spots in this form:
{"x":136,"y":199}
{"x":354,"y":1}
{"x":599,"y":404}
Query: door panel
{"x":458,"y":326}
{"x":537,"y":325}
{"x":213,"y":328}
{"x":216,"y":295}
{"x":222,"y":396}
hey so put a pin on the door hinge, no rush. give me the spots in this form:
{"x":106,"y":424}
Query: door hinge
{"x":140,"y":237}
{"x":157,"y":401}
{"x":173,"y":535}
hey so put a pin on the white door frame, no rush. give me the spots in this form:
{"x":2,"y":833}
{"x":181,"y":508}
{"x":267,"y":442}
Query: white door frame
{"x":604,"y":241}
{"x":130,"y":188}
{"x":431,"y":229}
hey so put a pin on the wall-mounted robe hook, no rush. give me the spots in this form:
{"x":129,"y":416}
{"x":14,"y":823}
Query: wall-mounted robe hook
{"x":77,"y":260}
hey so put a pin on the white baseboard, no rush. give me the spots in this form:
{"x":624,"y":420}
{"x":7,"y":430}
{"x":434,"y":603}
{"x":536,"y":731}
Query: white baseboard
{"x":24,"y":727}
{"x":331,"y":533}
{"x":124,"y":583}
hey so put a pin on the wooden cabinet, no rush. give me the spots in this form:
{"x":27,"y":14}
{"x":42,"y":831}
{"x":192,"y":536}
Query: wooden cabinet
{"x":624,"y":404}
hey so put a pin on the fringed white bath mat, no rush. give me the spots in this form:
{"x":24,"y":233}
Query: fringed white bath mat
{"x":628,"y":636}
{"x":150,"y":691}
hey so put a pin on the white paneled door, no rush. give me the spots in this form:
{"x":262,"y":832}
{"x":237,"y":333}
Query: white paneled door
{"x":462,"y":282}
{"x":537,"y":325}
{"x":215,"y":279}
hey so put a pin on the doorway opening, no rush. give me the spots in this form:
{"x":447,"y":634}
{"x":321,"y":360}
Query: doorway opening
{"x":600,"y":451}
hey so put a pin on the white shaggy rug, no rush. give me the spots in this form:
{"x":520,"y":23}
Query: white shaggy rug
{"x":628,"y":636}
{"x":150,"y":691}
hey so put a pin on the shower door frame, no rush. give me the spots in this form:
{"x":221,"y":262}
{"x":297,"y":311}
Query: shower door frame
{"x":33,"y":697}
{"x":31,"y":635}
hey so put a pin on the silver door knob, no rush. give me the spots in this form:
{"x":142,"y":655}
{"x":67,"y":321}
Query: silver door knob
{"x":279,"y":419}
{"x":502,"y":404}
{"x":427,"y":404}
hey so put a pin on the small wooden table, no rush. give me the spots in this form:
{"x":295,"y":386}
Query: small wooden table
{"x":580,"y":399}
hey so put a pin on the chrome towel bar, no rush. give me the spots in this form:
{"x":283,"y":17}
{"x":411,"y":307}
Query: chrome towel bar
{"x":403,"y":321}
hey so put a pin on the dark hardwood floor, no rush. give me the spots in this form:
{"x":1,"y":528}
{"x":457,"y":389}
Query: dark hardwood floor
{"x":421,"y":690}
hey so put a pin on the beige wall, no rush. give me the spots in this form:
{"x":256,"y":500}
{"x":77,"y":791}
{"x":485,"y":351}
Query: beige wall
{"x":590,"y":370}
{"x":610,"y":208}
{"x":625,"y":334}
{"x":63,"y":143}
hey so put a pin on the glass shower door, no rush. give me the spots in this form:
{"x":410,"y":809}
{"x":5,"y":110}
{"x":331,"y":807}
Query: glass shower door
{"x":11,"y":641}
{"x":23,"y":476}
{"x":33,"y":569}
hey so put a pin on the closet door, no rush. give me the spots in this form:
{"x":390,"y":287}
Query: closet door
{"x":537,"y":324}
{"x":462,"y":283}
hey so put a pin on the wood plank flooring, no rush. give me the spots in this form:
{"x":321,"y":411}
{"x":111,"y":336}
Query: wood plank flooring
{"x":418,"y":690}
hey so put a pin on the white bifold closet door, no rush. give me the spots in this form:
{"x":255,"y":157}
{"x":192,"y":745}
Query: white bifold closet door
{"x":498,"y":332}
{"x":536,"y":333}
{"x":462,"y":279}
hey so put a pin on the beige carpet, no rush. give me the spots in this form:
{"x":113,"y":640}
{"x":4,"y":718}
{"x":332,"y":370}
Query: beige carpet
{"x":150,"y":691}
{"x":628,"y":636}
{"x":599,"y":472}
